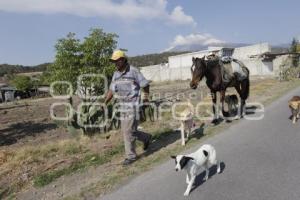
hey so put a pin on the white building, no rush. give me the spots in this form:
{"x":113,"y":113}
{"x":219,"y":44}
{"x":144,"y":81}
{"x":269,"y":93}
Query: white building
{"x":259,"y":59}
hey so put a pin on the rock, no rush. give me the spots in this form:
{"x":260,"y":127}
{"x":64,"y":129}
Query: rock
{"x":59,"y":194}
{"x":25,"y":177}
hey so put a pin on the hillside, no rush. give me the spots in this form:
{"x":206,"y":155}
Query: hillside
{"x":152,"y":59}
{"x":138,"y":61}
{"x":12,"y":69}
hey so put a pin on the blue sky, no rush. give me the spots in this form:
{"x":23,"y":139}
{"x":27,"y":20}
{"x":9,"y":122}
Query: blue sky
{"x":30,"y":28}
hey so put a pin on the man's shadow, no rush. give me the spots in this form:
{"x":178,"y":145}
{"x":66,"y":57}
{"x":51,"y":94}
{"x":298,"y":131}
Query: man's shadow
{"x":212,"y":171}
{"x":166,"y":138}
{"x":161,"y":140}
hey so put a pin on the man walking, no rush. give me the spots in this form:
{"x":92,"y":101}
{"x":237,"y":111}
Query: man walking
{"x":126,"y":84}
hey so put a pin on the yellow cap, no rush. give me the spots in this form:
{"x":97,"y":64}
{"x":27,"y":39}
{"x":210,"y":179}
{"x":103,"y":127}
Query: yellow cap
{"x":117,"y":55}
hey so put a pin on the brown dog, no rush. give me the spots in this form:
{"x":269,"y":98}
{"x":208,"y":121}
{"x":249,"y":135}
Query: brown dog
{"x":294,"y":105}
{"x":186,"y":124}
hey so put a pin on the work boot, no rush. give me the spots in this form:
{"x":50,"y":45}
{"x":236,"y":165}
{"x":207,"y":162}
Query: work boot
{"x":128,"y":161}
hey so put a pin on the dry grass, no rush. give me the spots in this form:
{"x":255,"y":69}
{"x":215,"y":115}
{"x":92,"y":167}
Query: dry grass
{"x":46,"y":162}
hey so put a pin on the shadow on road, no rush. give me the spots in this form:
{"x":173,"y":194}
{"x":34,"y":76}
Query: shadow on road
{"x":251,"y":110}
{"x":212,"y":171}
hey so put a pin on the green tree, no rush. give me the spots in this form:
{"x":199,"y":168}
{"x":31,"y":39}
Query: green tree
{"x":294,"y":45}
{"x":66,"y":66}
{"x":23,"y":83}
{"x":74,"y":58}
{"x":96,"y":51}
{"x":293,"y":49}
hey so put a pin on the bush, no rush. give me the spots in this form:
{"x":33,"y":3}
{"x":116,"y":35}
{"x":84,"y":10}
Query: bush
{"x":291,"y":73}
{"x":23,"y":83}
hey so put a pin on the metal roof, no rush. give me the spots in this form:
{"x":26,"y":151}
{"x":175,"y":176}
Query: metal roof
{"x":8,"y":88}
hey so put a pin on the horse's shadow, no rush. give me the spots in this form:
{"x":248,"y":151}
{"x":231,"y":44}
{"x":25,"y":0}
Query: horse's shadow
{"x":229,"y":117}
{"x":212,"y":171}
{"x":251,"y":110}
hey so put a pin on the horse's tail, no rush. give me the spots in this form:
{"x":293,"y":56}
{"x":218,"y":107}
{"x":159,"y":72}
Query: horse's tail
{"x":247,"y":88}
{"x":245,"y":85}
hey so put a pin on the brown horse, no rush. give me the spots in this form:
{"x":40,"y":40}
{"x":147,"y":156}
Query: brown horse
{"x":212,"y":71}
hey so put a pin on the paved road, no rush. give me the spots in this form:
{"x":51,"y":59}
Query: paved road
{"x":261,"y":161}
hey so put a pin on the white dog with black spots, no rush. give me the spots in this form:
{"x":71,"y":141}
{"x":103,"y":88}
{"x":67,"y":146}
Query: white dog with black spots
{"x":204,"y":157}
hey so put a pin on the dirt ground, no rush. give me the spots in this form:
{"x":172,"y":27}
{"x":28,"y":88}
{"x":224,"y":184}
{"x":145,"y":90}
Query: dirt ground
{"x":28,"y":123}
{"x":26,"y":127}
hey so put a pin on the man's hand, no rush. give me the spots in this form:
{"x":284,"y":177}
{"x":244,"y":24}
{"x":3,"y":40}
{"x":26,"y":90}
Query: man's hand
{"x":145,"y":100}
{"x":146,"y":94}
{"x":108,"y":97}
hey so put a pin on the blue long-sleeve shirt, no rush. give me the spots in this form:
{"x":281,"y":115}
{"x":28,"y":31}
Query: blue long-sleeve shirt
{"x":126,"y":85}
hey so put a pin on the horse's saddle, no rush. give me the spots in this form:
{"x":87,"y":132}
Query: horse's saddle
{"x":233,"y":68}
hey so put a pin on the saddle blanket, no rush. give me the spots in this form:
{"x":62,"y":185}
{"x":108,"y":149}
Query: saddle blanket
{"x":233,"y":68}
